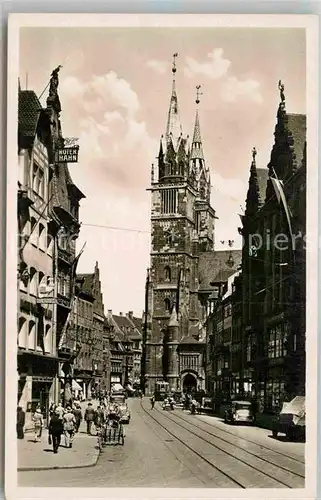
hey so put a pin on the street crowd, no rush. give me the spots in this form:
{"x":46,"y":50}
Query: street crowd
{"x":65,"y":420}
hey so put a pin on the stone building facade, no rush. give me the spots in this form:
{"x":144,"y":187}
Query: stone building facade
{"x":274,"y":273}
{"x":48,"y":225}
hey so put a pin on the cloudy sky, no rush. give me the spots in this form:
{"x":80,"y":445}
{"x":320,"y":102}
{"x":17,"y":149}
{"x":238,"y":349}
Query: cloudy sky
{"x":115,"y":88}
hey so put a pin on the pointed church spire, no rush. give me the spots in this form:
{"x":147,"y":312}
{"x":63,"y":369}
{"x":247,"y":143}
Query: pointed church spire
{"x":197,"y":150}
{"x":174,"y":128}
{"x":253,"y":193}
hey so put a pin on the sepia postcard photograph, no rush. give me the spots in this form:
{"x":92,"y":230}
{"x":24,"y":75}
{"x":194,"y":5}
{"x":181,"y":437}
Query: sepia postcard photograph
{"x":161,"y":253}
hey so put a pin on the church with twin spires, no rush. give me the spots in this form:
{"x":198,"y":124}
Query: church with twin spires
{"x":183,"y":263}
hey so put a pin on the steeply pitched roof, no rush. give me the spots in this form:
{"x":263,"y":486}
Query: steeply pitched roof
{"x":262,"y":177}
{"x":174,"y":128}
{"x":29,"y":109}
{"x":296,"y":125}
{"x":214,"y":267}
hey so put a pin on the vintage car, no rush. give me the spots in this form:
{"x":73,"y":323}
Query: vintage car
{"x":239,"y":411}
{"x":291,"y":419}
{"x":206,"y":405}
{"x":125,"y":413}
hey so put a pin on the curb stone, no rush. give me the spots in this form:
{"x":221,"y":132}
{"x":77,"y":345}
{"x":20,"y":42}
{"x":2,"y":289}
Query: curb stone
{"x":56,"y":467}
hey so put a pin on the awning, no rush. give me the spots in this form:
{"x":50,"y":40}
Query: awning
{"x":75,"y":386}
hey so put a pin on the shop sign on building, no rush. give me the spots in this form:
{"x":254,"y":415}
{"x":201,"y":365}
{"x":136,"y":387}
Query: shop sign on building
{"x":69,"y":153}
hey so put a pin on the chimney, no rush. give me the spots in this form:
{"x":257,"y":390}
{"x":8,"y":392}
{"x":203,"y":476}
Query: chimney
{"x":110,"y":312}
{"x":131,"y":314}
{"x":120,"y":314}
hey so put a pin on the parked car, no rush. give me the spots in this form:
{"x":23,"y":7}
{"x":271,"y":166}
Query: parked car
{"x":239,"y":411}
{"x":206,"y":405}
{"x":291,"y":419}
{"x":125,"y":413}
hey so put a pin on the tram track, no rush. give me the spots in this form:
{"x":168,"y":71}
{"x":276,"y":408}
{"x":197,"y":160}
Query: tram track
{"x":292,"y":457}
{"x":226,"y":475}
{"x":169,"y":448}
{"x":288,"y":457}
{"x":276,"y":476}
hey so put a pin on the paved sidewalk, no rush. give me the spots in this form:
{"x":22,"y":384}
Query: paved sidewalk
{"x":39,"y":456}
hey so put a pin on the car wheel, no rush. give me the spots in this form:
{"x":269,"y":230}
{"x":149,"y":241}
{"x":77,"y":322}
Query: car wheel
{"x":290,"y":434}
{"x":274,"y":433}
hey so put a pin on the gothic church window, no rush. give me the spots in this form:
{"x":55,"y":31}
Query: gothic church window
{"x":167,"y":273}
{"x":169,"y":201}
{"x":167,"y":304}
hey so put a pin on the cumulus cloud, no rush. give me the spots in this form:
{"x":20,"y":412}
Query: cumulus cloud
{"x":233,"y":89}
{"x":214,"y":68}
{"x":158,"y":66}
{"x":114,"y":143}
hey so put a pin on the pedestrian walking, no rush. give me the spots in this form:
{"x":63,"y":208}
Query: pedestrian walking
{"x":152,"y":401}
{"x":52,"y":409}
{"x":38,"y":424}
{"x":56,"y":428}
{"x":78,"y":416}
{"x":69,"y":423}
{"x":21,"y":418}
{"x":60,"y":409}
{"x":89,"y":417}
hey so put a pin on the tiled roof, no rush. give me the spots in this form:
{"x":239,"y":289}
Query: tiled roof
{"x":213,"y":267}
{"x":29,"y":109}
{"x":296,"y":125}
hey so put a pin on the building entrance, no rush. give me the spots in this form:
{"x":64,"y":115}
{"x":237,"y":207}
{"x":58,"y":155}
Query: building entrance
{"x":189,"y":383}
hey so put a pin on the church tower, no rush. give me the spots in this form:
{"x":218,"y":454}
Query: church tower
{"x":181,"y":226}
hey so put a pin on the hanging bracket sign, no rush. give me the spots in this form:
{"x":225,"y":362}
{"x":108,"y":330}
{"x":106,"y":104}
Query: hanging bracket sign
{"x":69,"y":153}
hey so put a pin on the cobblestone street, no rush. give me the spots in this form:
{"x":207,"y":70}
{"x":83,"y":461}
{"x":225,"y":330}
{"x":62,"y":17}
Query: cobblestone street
{"x":176,"y":449}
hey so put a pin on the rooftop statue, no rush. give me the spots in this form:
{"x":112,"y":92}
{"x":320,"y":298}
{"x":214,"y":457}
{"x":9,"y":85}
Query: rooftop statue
{"x":54,"y":82}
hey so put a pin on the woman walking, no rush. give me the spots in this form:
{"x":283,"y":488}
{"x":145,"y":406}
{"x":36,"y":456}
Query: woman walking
{"x":38,"y":423}
{"x":69,"y":423}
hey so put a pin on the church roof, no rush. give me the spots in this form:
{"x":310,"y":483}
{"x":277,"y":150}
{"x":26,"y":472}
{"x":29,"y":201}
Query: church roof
{"x":296,"y":124}
{"x":197,"y":129}
{"x":262,"y":178}
{"x":214,"y":267}
{"x":174,"y":127}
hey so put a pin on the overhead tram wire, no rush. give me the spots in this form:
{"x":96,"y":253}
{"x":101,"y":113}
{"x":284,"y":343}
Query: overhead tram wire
{"x":117,"y":228}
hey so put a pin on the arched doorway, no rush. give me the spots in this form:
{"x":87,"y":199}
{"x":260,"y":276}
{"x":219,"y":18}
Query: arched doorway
{"x":189,"y":383}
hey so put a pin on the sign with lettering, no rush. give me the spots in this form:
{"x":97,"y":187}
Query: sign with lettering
{"x":46,"y":300}
{"x":67,"y":155}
